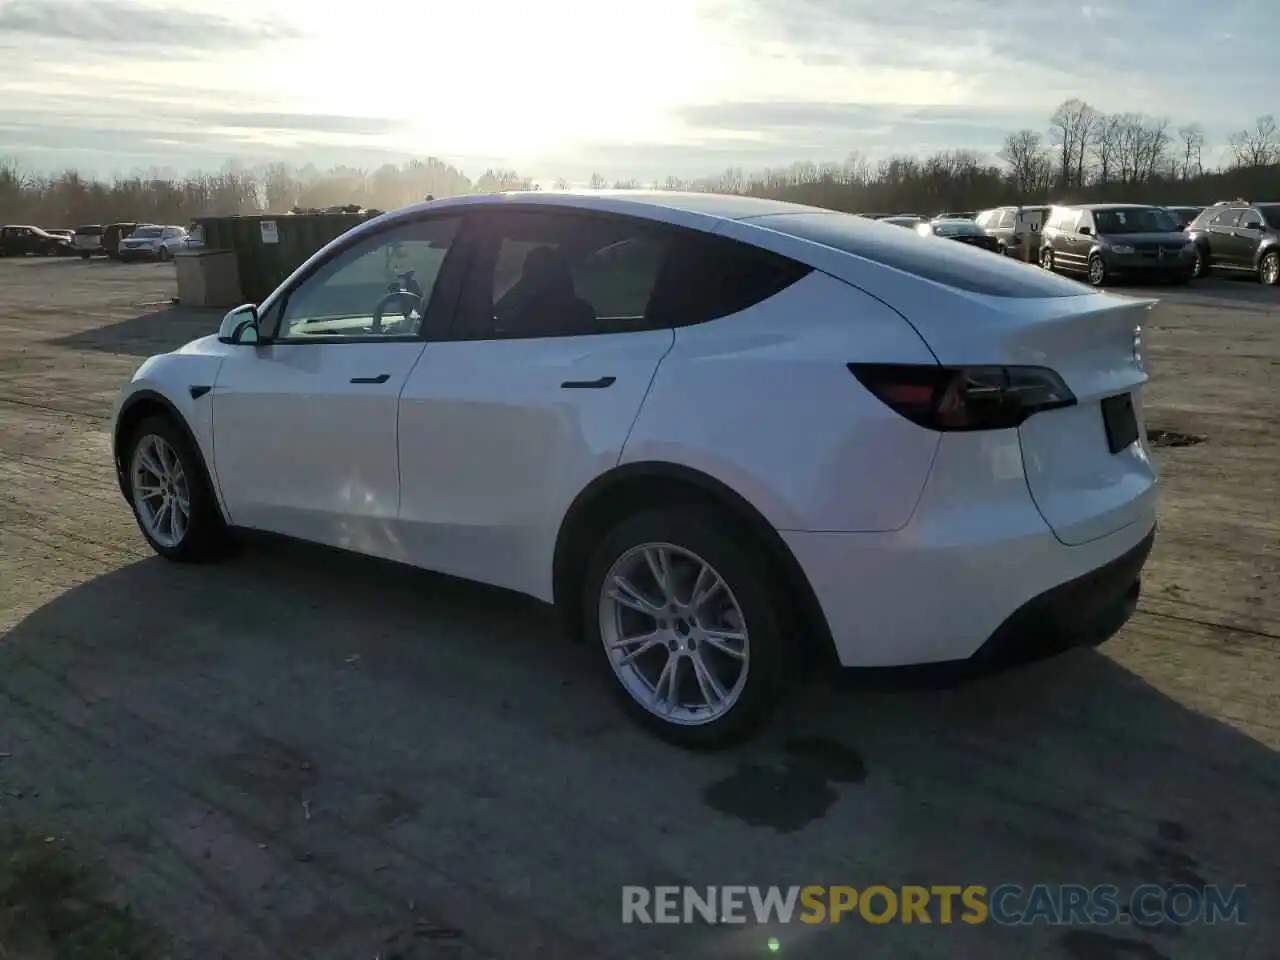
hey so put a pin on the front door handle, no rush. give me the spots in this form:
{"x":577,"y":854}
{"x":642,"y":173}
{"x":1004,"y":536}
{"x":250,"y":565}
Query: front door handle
{"x":380,"y":378}
{"x":589,"y":384}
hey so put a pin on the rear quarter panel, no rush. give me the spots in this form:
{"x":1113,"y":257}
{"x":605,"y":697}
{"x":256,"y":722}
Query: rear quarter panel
{"x":763,"y":401}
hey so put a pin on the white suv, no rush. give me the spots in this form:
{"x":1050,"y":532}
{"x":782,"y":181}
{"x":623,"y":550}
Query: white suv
{"x":720,"y":434}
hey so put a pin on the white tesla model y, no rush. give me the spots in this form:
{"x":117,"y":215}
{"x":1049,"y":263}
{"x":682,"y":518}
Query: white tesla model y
{"x":720,"y":434}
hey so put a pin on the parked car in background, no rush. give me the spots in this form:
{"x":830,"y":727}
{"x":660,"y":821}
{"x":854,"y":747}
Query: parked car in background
{"x":112,"y":236}
{"x":1238,"y":236}
{"x":963,"y":231}
{"x":1016,"y":229}
{"x":1183,"y":215}
{"x":152,"y":242}
{"x":22,"y":240}
{"x":87,"y":240}
{"x":1104,"y":241}
{"x":67,"y":235}
{"x":962,"y":215}
{"x":659,"y":358}
{"x":904,"y":220}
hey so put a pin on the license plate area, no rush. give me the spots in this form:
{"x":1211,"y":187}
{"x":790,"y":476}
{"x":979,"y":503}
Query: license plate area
{"x":1120,"y":421}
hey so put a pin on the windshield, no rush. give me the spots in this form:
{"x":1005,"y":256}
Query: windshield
{"x":1134,"y":220}
{"x":957,"y":228}
{"x":142,"y":233}
{"x":1272,"y":215}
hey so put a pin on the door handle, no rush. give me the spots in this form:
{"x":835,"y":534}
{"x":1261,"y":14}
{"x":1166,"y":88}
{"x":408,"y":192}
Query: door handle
{"x":589,"y":384}
{"x":380,"y":378}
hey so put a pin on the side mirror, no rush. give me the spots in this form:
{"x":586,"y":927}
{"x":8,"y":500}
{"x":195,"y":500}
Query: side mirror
{"x":1251,"y":225}
{"x":1086,"y":231}
{"x":240,"y":326}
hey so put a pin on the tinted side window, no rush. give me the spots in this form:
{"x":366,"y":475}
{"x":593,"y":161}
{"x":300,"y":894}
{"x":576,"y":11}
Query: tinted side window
{"x":1007,"y":218}
{"x":1226,"y":218}
{"x":714,"y":277}
{"x":549,"y":274}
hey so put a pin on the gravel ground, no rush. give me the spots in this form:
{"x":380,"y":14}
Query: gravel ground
{"x":307,"y":754}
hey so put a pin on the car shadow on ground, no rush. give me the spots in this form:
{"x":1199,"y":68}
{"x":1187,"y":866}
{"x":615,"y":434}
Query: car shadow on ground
{"x":156,"y":331}
{"x":1243,"y":290}
{"x":303,"y":752}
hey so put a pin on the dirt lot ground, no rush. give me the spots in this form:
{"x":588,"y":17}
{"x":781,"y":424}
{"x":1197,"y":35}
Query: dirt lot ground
{"x":304,"y":754}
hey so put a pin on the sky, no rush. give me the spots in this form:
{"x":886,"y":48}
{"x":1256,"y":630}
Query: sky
{"x":628,"y":88}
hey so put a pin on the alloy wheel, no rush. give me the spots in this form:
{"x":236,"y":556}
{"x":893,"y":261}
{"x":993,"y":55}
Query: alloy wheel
{"x":161,"y":491}
{"x":1097,"y":271}
{"x":1271,"y":269}
{"x":674,"y":633}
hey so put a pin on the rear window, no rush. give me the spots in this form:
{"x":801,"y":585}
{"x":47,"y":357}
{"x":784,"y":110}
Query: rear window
{"x":89,"y":230}
{"x":144,"y":232}
{"x":957,"y":265}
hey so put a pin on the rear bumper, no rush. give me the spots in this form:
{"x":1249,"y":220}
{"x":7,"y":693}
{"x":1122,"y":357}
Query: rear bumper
{"x":976,"y":574}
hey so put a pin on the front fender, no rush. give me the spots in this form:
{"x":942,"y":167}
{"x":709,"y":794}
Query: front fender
{"x":182,"y":384}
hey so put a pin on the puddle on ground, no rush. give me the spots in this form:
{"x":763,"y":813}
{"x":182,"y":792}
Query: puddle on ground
{"x":790,"y":797}
{"x":1172,"y":438}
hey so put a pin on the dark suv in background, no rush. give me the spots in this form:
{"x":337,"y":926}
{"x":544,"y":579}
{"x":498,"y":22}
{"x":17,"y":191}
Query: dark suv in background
{"x":1109,"y":240}
{"x":1238,"y":236}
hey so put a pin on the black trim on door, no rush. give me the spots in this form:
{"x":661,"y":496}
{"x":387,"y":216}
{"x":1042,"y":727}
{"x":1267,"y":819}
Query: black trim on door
{"x":600,"y":384}
{"x":380,"y":378}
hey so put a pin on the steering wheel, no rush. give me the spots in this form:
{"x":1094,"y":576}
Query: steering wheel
{"x":413,"y":301}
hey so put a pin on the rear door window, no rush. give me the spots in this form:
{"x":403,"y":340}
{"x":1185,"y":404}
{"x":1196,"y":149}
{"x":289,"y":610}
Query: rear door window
{"x":1226,"y":218}
{"x":550,"y":274}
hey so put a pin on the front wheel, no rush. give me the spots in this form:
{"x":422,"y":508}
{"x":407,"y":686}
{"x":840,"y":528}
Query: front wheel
{"x":1097,"y":271}
{"x":687,"y":615}
{"x":171,"y":496}
{"x":165,"y":254}
{"x":1200,"y":265}
{"x":1269,"y":269}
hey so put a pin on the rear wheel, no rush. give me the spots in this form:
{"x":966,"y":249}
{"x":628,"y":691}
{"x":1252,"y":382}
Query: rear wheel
{"x":687,"y":616}
{"x":171,"y":496}
{"x":1097,"y":271}
{"x":1046,"y":258}
{"x":1269,"y":269}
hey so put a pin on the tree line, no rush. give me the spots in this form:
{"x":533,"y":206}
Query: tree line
{"x":1082,"y":155}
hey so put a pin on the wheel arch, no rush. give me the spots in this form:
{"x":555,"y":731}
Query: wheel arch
{"x":632,"y":487}
{"x":140,"y":405}
{"x":1265,"y":248}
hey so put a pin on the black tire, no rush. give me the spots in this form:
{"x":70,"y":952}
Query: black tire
{"x":1097,"y":271}
{"x":1200,"y":266}
{"x":740,"y":563}
{"x":1269,"y":268}
{"x":84,"y":256}
{"x":165,"y":255}
{"x":206,"y":537}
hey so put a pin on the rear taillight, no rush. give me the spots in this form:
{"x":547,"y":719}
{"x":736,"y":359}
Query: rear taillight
{"x":964,"y":398}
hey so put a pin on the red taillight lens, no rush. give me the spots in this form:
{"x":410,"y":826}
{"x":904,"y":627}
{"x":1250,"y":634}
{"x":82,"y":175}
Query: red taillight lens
{"x":964,"y":398}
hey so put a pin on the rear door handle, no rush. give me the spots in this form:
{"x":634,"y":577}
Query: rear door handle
{"x":589,"y":384}
{"x":380,"y":378}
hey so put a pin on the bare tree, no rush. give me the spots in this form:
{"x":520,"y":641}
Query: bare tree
{"x":598,"y":182}
{"x":1105,"y":144}
{"x":1257,"y":147}
{"x":1024,"y":152}
{"x":1193,"y":140}
{"x":1070,"y":129}
{"x":561,"y":183}
{"x":628,"y":184}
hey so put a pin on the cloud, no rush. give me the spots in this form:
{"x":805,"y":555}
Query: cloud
{"x":155,"y":26}
{"x":320,"y":123}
